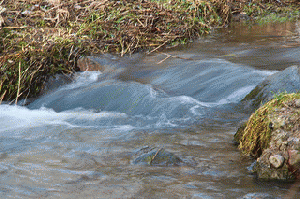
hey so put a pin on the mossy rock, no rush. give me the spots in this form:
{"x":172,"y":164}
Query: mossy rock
{"x":283,"y":81}
{"x":239,"y":134}
{"x":254,"y":136}
{"x":255,"y":97}
{"x":265,"y":171}
{"x":158,"y":157}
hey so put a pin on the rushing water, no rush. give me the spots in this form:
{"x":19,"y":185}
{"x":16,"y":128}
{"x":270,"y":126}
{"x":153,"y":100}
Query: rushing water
{"x":80,"y":140}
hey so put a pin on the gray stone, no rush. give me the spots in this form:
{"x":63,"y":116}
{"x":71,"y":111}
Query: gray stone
{"x":3,"y":155}
{"x":287,"y":80}
{"x":278,"y":122}
{"x":56,"y":81}
{"x":276,"y":160}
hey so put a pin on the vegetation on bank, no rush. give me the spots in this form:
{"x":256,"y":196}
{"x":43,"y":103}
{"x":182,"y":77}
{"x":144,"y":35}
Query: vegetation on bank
{"x":254,"y":136}
{"x":40,"y":38}
{"x":272,"y":11}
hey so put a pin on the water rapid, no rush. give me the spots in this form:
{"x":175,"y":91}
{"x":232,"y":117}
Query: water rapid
{"x":80,"y":139}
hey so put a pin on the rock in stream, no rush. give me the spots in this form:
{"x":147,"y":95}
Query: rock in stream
{"x":157,"y":157}
{"x":282,"y":81}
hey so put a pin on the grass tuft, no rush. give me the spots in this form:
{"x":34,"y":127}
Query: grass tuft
{"x":255,"y":137}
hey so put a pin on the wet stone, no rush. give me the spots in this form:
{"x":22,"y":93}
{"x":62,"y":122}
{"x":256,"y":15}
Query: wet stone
{"x":88,"y":64}
{"x":287,"y":80}
{"x":157,"y":156}
{"x":82,"y":161}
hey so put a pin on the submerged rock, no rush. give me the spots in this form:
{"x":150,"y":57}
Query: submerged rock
{"x":287,"y":80}
{"x":81,"y":161}
{"x":156,"y":156}
{"x":89,"y":64}
{"x":55,"y":82}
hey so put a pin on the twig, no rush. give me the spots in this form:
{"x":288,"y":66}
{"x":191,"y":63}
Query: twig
{"x":155,"y":155}
{"x":122,"y":47}
{"x":174,"y":56}
{"x":84,"y":2}
{"x":140,"y":22}
{"x":158,"y":47}
{"x":168,"y":56}
{"x":19,"y":82}
{"x":15,"y":27}
{"x":2,"y":96}
{"x":57,"y":6}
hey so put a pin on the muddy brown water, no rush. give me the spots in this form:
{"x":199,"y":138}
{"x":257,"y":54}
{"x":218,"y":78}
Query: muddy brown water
{"x":80,"y":140}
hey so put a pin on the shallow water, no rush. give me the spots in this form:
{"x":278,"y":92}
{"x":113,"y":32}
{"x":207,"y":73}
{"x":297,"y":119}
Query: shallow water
{"x":81,"y":139}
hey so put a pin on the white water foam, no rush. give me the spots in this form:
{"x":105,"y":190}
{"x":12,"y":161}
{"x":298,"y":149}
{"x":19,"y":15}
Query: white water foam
{"x":83,"y":78}
{"x":189,"y":100}
{"x":164,"y":122}
{"x":17,"y":117}
{"x":236,"y":96}
{"x":195,"y":110}
{"x":264,"y":72}
{"x":152,"y":92}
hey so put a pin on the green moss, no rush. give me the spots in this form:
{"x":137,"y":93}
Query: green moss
{"x":239,"y":134}
{"x":24,"y":74}
{"x":255,"y":137}
{"x":264,"y":172}
{"x":254,"y":93}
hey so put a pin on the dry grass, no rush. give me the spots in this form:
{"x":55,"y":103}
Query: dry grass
{"x":45,"y":37}
{"x":41,"y":38}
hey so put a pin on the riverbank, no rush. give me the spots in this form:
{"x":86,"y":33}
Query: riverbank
{"x":43,"y":38}
{"x":271,"y":134}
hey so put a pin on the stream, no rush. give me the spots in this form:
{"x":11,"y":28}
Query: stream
{"x":80,"y":140}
